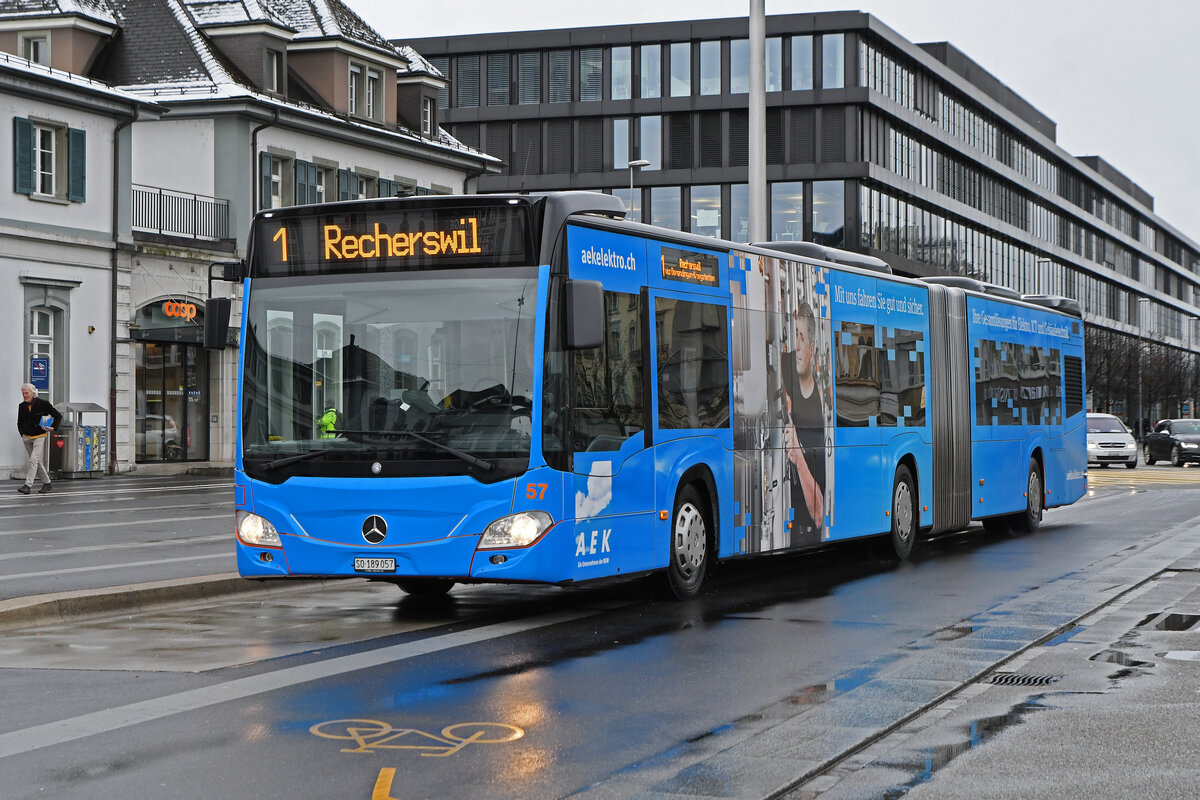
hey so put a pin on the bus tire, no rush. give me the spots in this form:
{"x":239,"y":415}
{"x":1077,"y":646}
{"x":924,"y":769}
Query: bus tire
{"x":689,"y":551}
{"x":1027,"y":521}
{"x":425,"y":587}
{"x":904,"y":513}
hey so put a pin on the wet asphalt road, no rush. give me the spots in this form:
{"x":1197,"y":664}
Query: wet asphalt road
{"x":113,"y":531}
{"x":515,"y":692}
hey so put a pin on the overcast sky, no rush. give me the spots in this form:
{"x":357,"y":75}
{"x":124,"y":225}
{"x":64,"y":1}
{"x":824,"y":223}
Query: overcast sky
{"x":1118,"y":77}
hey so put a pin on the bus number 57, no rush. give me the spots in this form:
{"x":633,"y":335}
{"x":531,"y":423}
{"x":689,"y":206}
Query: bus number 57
{"x":536,"y":491}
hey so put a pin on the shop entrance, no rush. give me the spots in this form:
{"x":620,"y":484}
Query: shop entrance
{"x":172,"y":389}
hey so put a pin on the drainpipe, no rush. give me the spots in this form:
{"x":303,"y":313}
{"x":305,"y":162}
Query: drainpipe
{"x":112,"y":339}
{"x":255,"y":179}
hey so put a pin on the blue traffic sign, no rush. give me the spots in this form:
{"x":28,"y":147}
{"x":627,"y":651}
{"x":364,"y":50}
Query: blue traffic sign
{"x":39,"y":372}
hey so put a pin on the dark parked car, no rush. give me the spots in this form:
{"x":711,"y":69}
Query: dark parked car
{"x":1175,"y":439}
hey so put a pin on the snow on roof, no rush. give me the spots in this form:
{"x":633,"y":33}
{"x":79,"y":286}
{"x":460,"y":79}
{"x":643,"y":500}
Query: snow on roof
{"x":417,"y":63}
{"x":231,"y":12}
{"x":98,"y":10}
{"x":41,"y":71}
{"x":325,"y":19}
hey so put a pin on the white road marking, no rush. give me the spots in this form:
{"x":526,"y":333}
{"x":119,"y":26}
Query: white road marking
{"x":98,"y":548}
{"x":110,"y":567}
{"x":84,"y":527}
{"x":108,"y":720}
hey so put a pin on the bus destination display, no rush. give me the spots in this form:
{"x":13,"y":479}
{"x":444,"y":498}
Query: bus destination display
{"x":392,"y":239}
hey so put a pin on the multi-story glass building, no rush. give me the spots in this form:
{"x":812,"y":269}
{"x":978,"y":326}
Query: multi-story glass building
{"x":910,"y":152}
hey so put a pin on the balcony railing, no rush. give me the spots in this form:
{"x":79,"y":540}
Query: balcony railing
{"x":173,"y":213}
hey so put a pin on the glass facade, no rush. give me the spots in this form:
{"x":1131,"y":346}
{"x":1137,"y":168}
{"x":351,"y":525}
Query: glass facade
{"x":651,"y":70}
{"x":952,"y":181}
{"x":681,"y":69}
{"x":650,"y":141}
{"x":833,"y":61}
{"x":802,"y":63}
{"x":829,"y":213}
{"x":787,"y":212}
{"x":664,"y":207}
{"x":705,"y":212}
{"x":710,"y":68}
{"x":622,"y":73}
{"x":620,"y":144}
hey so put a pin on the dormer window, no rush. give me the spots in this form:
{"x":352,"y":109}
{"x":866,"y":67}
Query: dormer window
{"x":36,"y":47}
{"x":373,"y":82}
{"x":366,"y":92}
{"x":273,"y":73}
{"x":427,"y":116}
{"x":355,"y":82}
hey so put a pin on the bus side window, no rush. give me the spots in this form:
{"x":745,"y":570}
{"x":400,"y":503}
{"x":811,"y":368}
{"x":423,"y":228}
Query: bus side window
{"x":693,"y":365}
{"x":606,"y":382}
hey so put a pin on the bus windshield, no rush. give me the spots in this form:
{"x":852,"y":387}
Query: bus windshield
{"x":413,"y":367}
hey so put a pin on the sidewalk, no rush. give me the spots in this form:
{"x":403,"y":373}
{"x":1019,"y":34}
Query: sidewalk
{"x":1109,"y":721}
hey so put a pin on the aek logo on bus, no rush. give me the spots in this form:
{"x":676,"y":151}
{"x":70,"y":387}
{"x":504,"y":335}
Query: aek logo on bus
{"x":590,"y":545}
{"x":174,"y":309}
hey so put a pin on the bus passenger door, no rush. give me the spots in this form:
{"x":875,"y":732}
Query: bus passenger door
{"x":691,"y":425}
{"x":613,"y":470}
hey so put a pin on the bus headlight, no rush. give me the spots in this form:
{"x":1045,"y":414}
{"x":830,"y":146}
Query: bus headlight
{"x":516,"y":530}
{"x":253,"y":529}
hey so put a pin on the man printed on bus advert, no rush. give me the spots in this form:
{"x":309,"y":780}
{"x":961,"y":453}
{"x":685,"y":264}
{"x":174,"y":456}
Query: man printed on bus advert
{"x":804,"y":432}
{"x":35,"y":419}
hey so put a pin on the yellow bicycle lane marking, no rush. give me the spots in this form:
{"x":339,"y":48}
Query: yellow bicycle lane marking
{"x":371,"y":735}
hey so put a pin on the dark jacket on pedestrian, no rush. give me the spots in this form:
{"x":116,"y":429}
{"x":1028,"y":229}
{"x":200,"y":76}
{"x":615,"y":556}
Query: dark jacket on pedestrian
{"x":29,"y":416}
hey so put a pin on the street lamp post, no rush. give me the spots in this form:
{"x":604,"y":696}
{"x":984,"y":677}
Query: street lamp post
{"x":1143,"y":304}
{"x":637,"y":163}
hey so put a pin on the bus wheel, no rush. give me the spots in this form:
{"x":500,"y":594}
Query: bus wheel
{"x":425,"y":587}
{"x":1027,"y":521}
{"x":689,"y":544}
{"x":904,"y":513}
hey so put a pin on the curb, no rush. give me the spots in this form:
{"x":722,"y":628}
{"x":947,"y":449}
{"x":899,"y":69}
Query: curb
{"x":133,"y":598}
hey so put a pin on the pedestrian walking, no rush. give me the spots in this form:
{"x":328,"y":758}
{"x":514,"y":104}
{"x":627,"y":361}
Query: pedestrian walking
{"x":35,"y":419}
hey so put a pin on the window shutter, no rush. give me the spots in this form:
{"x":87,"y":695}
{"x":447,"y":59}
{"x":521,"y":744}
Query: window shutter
{"x":347,"y":185}
{"x":499,"y":143}
{"x":591,"y":144}
{"x":498,"y":81}
{"x":264,"y":180}
{"x":76,"y":165}
{"x":314,"y":178}
{"x":303,"y":182}
{"x":22,"y":156}
{"x":558,"y":145}
{"x":387,"y":187}
{"x":529,"y":78}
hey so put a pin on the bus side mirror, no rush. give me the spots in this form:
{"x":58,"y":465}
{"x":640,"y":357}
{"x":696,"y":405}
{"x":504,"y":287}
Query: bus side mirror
{"x":585,"y":314}
{"x":216,"y":322}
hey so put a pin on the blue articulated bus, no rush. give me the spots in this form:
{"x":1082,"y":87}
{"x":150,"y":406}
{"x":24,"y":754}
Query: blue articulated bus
{"x":503,"y":388}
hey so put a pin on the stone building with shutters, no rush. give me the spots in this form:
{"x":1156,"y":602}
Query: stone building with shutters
{"x":232,"y":106}
{"x":909,"y":152}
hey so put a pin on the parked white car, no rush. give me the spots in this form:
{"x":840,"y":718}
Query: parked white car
{"x":1110,"y":442}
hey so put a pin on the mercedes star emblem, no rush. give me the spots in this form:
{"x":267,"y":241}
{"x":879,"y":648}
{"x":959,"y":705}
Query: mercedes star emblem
{"x":374,"y":529}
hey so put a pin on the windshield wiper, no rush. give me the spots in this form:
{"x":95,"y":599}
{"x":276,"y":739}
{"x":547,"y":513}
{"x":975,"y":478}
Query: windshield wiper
{"x":480,"y":463}
{"x":283,"y":462}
